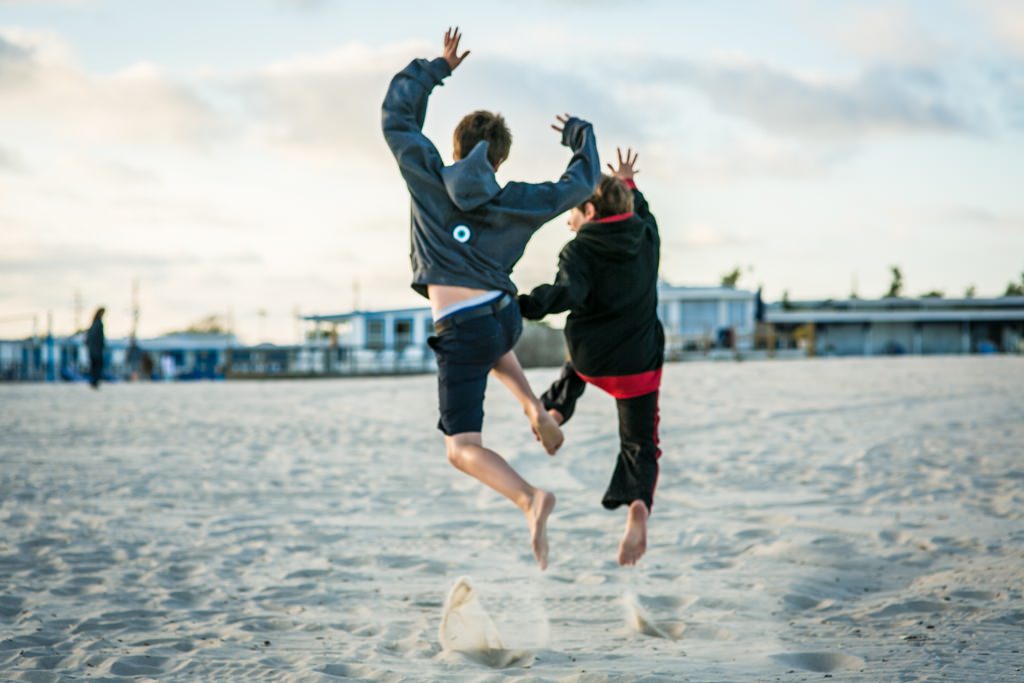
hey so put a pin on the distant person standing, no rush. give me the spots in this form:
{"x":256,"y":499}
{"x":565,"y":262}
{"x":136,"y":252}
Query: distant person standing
{"x":95,"y":342}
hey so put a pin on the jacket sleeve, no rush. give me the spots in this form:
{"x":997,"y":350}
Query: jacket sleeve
{"x":402,"y":116}
{"x":576,"y":185}
{"x":568,"y":291}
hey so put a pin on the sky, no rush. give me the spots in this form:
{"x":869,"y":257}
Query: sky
{"x":227,"y":156}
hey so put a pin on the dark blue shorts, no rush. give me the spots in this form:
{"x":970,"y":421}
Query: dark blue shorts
{"x":467,"y":345}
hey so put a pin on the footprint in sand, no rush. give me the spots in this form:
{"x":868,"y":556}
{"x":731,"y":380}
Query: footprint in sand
{"x":640,"y":620}
{"x":467,"y":630}
{"x":821,"y":662}
{"x":796,"y":601}
{"x":911,"y":607}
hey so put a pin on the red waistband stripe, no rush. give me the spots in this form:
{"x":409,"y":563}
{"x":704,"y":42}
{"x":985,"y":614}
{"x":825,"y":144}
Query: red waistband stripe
{"x":626,"y":386}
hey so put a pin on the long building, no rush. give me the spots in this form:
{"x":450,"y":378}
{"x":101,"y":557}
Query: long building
{"x":860,"y":327}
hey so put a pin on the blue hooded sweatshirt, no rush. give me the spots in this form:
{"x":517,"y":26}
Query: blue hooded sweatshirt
{"x":466,"y":229}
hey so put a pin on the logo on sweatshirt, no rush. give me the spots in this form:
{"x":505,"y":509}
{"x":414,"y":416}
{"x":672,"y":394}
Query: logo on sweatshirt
{"x":461,"y":233}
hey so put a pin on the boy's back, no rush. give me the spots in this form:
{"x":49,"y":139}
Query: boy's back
{"x":467,"y":230}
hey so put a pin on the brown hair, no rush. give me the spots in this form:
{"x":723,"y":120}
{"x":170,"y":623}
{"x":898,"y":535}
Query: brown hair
{"x":483,"y":125}
{"x":611,"y":198}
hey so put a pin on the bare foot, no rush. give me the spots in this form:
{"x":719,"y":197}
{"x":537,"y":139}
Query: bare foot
{"x":634,"y":540}
{"x":546,"y":429}
{"x":537,"y":517}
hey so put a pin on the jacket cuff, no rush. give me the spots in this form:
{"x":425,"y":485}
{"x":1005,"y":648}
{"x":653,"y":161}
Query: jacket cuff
{"x":572,"y":133}
{"x":629,"y":183}
{"x":439,"y":69}
{"x":525,"y":306}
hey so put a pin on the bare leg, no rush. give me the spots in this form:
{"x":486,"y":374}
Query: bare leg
{"x":508,"y":370}
{"x":634,"y":540}
{"x":467,"y":453}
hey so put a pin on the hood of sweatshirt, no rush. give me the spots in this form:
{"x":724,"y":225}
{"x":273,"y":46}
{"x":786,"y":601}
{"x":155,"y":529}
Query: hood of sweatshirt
{"x":619,"y":239}
{"x":470,"y":182}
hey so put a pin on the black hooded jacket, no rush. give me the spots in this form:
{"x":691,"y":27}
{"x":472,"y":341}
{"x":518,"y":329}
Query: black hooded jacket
{"x":95,"y":339}
{"x":608,"y":281}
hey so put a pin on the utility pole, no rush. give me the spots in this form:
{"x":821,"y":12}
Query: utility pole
{"x":135,"y":308}
{"x":133,"y":340}
{"x":355,"y":294}
{"x":50,"y":359}
{"x":262,"y":313}
{"x":35,"y":344}
{"x":78,"y":310}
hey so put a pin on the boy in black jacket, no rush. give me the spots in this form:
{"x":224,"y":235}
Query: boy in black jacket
{"x":607,"y":279}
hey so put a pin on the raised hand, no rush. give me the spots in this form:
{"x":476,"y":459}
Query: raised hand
{"x":451,"y":48}
{"x":627,"y":167}
{"x":562,"y":120}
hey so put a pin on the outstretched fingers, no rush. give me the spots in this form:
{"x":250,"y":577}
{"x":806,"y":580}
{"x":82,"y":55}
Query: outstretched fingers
{"x":627,"y":163}
{"x":452,"y":38}
{"x":562,"y":119}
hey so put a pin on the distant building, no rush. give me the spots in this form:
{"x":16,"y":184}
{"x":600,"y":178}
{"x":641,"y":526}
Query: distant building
{"x":372,"y":341}
{"x":700,"y":318}
{"x":182,"y":356}
{"x":892,"y":326}
{"x":171,"y":357}
{"x":695,"y":319}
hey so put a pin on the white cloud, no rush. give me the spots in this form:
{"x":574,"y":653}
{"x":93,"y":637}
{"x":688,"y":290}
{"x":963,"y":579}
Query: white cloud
{"x":972,"y":218}
{"x":703,"y":236}
{"x":11,"y":161}
{"x":753,"y":156}
{"x":321,"y":104}
{"x":43,"y":86}
{"x":890,"y":33}
{"x":1006,"y":20}
{"x":328,"y":105}
{"x":879,"y":100}
{"x":84,"y":257}
{"x":302,"y":4}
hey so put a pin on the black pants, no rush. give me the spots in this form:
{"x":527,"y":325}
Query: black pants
{"x":636,"y":471}
{"x":95,"y":369}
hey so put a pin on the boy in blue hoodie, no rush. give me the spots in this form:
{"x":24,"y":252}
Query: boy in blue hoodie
{"x":467,"y":233}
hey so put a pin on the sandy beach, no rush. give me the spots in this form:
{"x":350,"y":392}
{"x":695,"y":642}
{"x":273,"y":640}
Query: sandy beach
{"x":856,"y":519}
